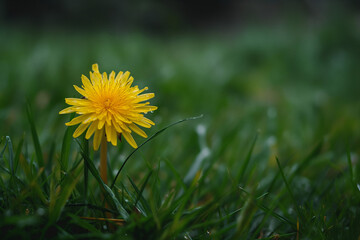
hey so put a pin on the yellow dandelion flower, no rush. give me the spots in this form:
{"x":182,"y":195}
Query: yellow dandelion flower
{"x":110,"y":106}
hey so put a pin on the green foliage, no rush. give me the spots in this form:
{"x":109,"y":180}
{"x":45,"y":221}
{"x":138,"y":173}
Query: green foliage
{"x":274,"y":157}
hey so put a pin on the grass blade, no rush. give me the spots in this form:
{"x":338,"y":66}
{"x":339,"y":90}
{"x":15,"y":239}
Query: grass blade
{"x":63,"y":192}
{"x":86,"y":172}
{"x":109,"y":195}
{"x":50,"y":158}
{"x":306,"y":161}
{"x":247,"y":159}
{"x":149,"y":139}
{"x":176,"y":174}
{"x":139,"y":192}
{"x":11,"y":156}
{"x":2,"y":151}
{"x":268,"y":210}
{"x":65,"y":148}
{"x":288,"y":188}
{"x":352,"y":179}
{"x":38,"y":151}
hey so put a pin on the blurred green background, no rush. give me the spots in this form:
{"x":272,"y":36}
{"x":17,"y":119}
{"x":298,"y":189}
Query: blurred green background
{"x":284,"y":71}
{"x":288,"y":69}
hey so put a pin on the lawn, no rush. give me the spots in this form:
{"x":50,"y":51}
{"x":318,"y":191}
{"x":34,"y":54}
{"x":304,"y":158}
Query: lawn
{"x":274,"y":153}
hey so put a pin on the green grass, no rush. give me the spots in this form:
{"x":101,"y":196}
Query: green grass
{"x":276,"y":148}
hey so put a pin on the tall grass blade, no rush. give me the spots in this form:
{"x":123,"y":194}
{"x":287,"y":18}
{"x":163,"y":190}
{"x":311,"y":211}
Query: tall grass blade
{"x":66,"y":144}
{"x":268,"y":210}
{"x":352,"y":178}
{"x":149,"y":139}
{"x":176,"y":174}
{"x":18,"y":153}
{"x":11,"y":156}
{"x":38,"y":151}
{"x":134,"y":197}
{"x":109,"y":195}
{"x":185,"y":198}
{"x":139,"y":192}
{"x":244,"y":166}
{"x":50,"y":158}
{"x":289,"y":188}
{"x":306,"y":161}
{"x":63,"y":192}
{"x":3,"y":150}
{"x":86,"y":172}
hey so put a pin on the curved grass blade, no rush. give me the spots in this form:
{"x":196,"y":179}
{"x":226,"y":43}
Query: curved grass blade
{"x":176,"y":174}
{"x":148,"y":140}
{"x":18,"y":153}
{"x":288,"y":188}
{"x":352,"y":178}
{"x":86,"y":172}
{"x":2,"y":151}
{"x":247,"y":159}
{"x":316,"y":151}
{"x":269,"y":210}
{"x":139,"y":192}
{"x":38,"y":151}
{"x":109,"y":194}
{"x":50,"y":157}
{"x":11,"y":156}
{"x":91,"y":206}
{"x":66,"y":144}
{"x":60,"y":196}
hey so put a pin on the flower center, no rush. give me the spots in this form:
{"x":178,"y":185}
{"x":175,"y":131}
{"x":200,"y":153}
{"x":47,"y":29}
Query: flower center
{"x":107,"y":104}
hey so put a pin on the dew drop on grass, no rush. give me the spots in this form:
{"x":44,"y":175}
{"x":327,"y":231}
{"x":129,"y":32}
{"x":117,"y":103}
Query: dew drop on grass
{"x":271,"y":112}
{"x":271,"y":141}
{"x":201,"y":129}
{"x":358,"y":186}
{"x":40,"y":211}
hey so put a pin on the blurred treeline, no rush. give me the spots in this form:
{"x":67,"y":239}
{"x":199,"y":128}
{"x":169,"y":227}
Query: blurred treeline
{"x":161,"y":16}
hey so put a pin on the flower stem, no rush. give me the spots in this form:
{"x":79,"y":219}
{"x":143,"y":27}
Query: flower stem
{"x":103,"y":160}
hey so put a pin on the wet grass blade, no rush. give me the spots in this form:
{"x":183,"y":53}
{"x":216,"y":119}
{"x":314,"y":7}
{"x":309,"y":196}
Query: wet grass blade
{"x":3,"y":150}
{"x":352,"y":179}
{"x":38,"y":151}
{"x":63,"y":192}
{"x":139,"y":206}
{"x":306,"y":161}
{"x":139,"y":192}
{"x":289,"y":189}
{"x":240,"y":177}
{"x":268,"y":210}
{"x":65,"y":147}
{"x":11,"y":156}
{"x":148,"y":140}
{"x":109,"y":195}
{"x":50,"y":158}
{"x":185,"y":199}
{"x":86,"y":171}
{"x":176,"y":174}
